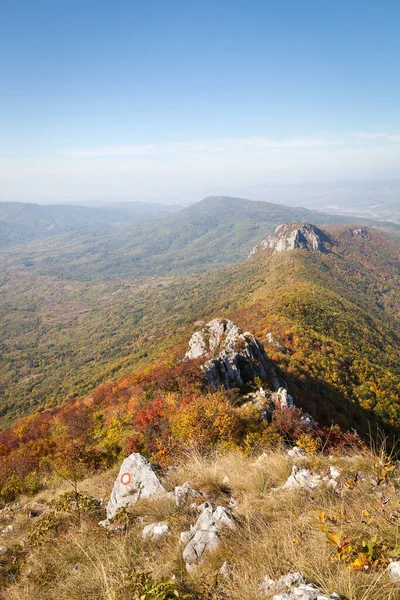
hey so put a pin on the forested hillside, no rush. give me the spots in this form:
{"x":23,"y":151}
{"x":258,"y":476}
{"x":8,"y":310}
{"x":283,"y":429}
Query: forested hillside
{"x":337,"y":313}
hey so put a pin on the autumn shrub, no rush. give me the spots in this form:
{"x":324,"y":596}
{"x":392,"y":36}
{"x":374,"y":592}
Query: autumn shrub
{"x":204,"y":420}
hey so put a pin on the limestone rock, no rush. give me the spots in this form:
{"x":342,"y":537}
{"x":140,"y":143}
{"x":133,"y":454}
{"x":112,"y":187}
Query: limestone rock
{"x":204,"y":536}
{"x":225,"y":570}
{"x":293,"y":587}
{"x":155,"y":531}
{"x":136,"y":479}
{"x":296,"y":452}
{"x":302,"y":478}
{"x":233,"y":357}
{"x":394,"y":571}
{"x":282,"y":398}
{"x":183,"y":493}
{"x":8,"y":529}
{"x":291,"y":236}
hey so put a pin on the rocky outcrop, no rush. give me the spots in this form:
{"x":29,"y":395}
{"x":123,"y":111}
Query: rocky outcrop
{"x":233,"y":357}
{"x":204,"y":536}
{"x":293,"y":587}
{"x":292,"y":236}
{"x":136,"y":479}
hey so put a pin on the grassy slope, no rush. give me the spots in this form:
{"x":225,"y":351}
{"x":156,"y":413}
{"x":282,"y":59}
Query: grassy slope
{"x":276,"y":532}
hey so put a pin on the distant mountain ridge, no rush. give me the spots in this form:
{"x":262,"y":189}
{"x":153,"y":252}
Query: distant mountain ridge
{"x":211,"y":234}
{"x":22,"y":222}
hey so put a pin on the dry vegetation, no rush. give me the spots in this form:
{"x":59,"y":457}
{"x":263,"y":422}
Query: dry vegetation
{"x":277,"y":531}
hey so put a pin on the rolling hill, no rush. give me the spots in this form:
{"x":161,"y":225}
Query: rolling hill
{"x":23,"y":222}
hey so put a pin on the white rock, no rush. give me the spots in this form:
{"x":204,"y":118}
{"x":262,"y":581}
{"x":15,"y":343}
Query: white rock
{"x":394,"y":571}
{"x":302,"y":479}
{"x":225,"y":570}
{"x":204,"y":536}
{"x":105,"y":523}
{"x":293,"y":587}
{"x":155,"y":531}
{"x":334,"y":472}
{"x":296,"y":452}
{"x":136,"y":479}
{"x":8,"y":529}
{"x":282,"y":398}
{"x":3,"y":549}
{"x":183,"y":493}
{"x":269,"y":586}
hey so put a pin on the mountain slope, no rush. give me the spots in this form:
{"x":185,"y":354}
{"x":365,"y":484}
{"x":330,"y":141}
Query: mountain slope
{"x":335,"y":312}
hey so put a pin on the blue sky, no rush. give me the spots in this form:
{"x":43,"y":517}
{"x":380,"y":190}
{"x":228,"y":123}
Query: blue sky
{"x":163,"y":99}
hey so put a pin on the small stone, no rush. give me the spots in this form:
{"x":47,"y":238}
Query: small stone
{"x":296,"y":452}
{"x":8,"y":529}
{"x":302,"y":479}
{"x":393,"y":571}
{"x":335,"y":473}
{"x":105,"y":523}
{"x":225,"y":570}
{"x":183,"y":493}
{"x":155,"y":531}
{"x":3,"y":549}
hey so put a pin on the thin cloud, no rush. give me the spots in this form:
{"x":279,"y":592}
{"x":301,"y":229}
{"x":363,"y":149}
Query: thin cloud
{"x":259,"y":144}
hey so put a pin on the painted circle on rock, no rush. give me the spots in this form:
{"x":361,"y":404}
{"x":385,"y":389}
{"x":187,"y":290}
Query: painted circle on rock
{"x":126,"y":478}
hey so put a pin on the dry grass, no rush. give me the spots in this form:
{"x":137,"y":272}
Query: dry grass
{"x":277,"y":531}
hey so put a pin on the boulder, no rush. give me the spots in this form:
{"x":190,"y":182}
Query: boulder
{"x":302,"y":478}
{"x":204,"y":536}
{"x":136,"y":479}
{"x":293,"y":236}
{"x":155,"y":531}
{"x":233,"y":357}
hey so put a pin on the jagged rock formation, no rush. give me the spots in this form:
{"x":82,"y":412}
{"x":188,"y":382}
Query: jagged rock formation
{"x":234,"y":357}
{"x":204,"y":535}
{"x":136,"y":479}
{"x":290,"y":236}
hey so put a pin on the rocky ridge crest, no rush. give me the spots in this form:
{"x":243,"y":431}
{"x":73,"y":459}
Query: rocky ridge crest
{"x":233,"y":357}
{"x":292,"y":236}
